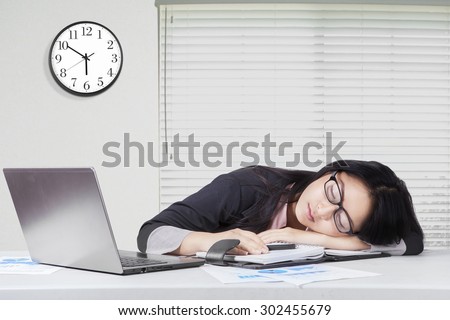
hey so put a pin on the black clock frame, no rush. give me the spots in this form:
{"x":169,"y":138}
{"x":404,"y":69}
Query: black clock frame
{"x":83,"y":94}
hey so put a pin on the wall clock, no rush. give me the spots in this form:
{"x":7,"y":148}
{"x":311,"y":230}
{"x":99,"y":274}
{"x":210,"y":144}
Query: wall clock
{"x":85,"y":58}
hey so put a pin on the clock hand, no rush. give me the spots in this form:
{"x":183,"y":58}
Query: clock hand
{"x":76,"y":64}
{"x":86,"y":62}
{"x":86,"y":58}
{"x":79,"y":62}
{"x":76,"y":51}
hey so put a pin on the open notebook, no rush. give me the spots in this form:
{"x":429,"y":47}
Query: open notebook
{"x":302,"y":254}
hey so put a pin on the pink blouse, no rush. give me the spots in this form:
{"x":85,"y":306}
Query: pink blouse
{"x":279,"y":220}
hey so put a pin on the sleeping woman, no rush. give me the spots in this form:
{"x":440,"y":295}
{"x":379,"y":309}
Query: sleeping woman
{"x":349,"y":205}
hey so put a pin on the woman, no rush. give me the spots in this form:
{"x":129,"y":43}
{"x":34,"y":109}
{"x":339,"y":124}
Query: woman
{"x":350,"y":205}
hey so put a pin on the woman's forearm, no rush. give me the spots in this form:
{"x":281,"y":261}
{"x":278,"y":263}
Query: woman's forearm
{"x":330,"y":242}
{"x":313,"y":238}
{"x":344,"y":243}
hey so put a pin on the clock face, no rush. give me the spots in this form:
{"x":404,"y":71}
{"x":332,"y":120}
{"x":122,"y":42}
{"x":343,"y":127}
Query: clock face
{"x":85,"y":58}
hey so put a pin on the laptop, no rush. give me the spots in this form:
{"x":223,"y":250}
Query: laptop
{"x":64,"y":221}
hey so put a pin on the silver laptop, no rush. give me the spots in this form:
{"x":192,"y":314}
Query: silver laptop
{"x":65,"y":223}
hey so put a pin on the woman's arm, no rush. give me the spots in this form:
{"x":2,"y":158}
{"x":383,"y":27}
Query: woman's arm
{"x":310,"y":237}
{"x":204,"y":218}
{"x":168,"y":239}
{"x":410,"y":245}
{"x":165,"y":239}
{"x":204,"y":210}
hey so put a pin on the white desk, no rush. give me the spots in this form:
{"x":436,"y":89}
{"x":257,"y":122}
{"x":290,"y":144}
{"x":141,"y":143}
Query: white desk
{"x":426,"y":276}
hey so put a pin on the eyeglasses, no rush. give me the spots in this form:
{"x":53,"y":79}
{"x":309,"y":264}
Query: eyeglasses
{"x":334,"y":195}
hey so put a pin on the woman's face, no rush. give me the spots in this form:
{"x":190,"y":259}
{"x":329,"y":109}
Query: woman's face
{"x":314,"y":211}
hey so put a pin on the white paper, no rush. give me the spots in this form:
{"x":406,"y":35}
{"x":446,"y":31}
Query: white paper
{"x":24,"y":265}
{"x":347,"y":253}
{"x":235,"y":275}
{"x":298,"y":275}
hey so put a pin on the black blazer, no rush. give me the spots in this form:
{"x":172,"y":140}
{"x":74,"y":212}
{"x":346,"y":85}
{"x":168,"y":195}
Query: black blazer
{"x":214,"y":208}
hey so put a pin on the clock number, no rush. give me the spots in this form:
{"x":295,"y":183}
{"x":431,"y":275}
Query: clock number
{"x":86,"y":86}
{"x":58,"y":58}
{"x":73,"y":34}
{"x":110,"y":72}
{"x":110,"y":44}
{"x":87,"y":31}
{"x":74,"y":81}
{"x":114,"y":58}
{"x":100,"y":81}
{"x":99,"y":34}
{"x":63,"y":73}
{"x":63,"y":45}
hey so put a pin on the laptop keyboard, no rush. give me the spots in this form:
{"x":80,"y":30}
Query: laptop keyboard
{"x":137,"y":262}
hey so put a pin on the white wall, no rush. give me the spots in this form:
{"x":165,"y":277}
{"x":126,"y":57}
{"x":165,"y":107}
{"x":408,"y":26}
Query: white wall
{"x":42,"y":125}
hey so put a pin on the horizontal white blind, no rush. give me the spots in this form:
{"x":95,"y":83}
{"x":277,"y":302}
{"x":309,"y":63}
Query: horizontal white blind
{"x":371,"y":81}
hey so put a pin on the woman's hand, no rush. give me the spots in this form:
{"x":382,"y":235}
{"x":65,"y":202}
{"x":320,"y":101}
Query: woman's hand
{"x":250,"y":242}
{"x":310,"y":237}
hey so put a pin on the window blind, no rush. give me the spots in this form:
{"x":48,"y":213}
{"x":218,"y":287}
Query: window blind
{"x":300,"y":85}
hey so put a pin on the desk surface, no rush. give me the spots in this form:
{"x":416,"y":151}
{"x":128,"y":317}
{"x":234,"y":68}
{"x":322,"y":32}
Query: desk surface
{"x":407,"y":277}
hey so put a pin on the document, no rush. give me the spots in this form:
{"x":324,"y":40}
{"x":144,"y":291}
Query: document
{"x":24,"y":265}
{"x":301,"y":275}
{"x":302,"y":253}
{"x":236,"y":275}
{"x":298,"y":275}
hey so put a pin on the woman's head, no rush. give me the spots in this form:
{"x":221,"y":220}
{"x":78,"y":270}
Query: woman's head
{"x":335,"y":204}
{"x":369,"y":196}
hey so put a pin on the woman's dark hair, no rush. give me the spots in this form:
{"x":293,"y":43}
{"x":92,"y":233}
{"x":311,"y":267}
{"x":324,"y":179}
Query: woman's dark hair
{"x":392,"y":219}
{"x":393,"y":216}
